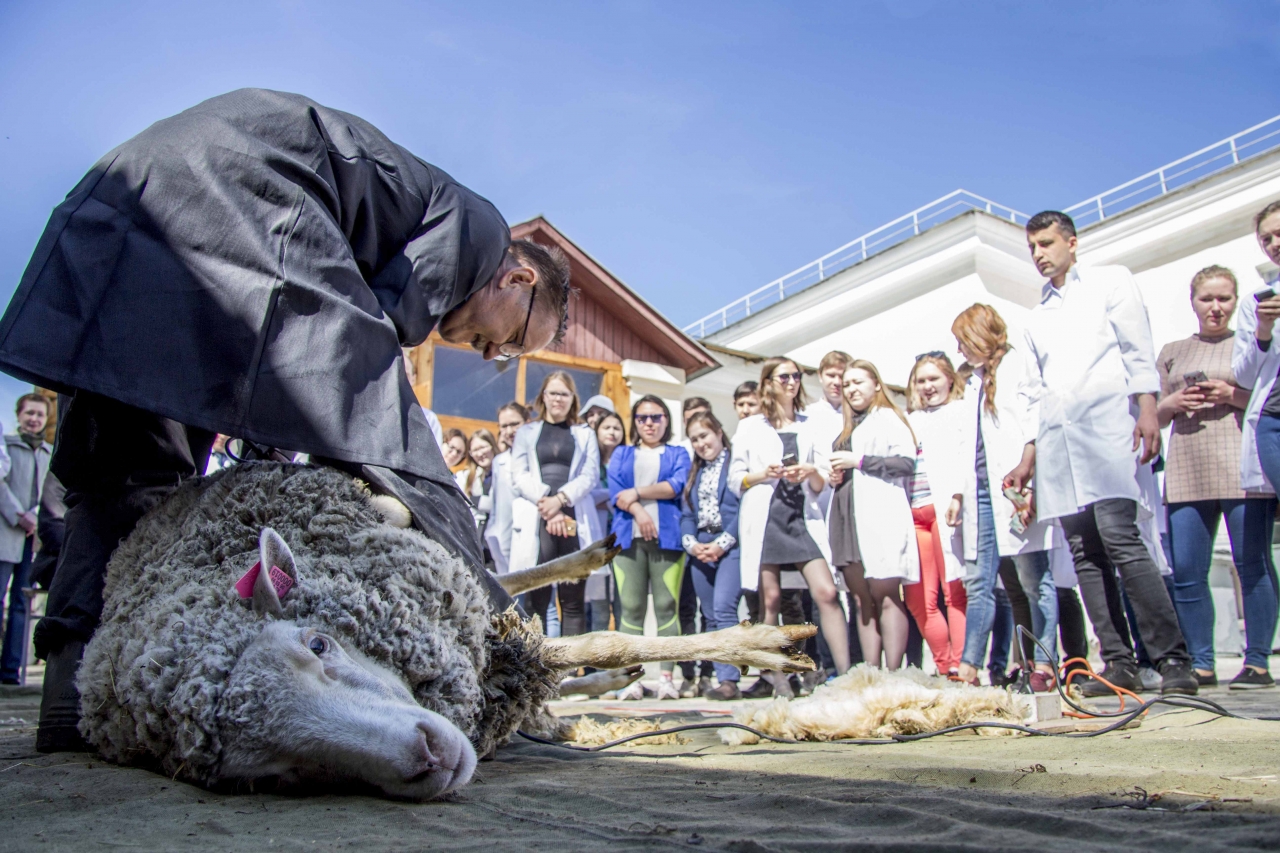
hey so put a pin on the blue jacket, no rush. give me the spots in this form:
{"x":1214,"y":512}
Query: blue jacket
{"x":728,"y":506}
{"x":673,"y":468}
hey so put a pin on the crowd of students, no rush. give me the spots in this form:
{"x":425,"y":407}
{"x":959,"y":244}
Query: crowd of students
{"x":994,"y":491}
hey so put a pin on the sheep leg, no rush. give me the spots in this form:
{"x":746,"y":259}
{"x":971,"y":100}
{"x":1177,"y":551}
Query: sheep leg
{"x":762,"y":646}
{"x":601,"y":681}
{"x":574,"y":567}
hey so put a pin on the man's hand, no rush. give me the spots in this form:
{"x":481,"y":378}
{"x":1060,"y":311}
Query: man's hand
{"x":1268,"y":312}
{"x":648,"y":530}
{"x":1147,"y":430}
{"x":1021,"y":474}
{"x":27,"y":521}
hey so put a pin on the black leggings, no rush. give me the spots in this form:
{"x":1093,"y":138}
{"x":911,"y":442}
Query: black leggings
{"x":573,"y":610}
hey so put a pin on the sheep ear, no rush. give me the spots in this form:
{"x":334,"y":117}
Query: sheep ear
{"x":272,"y":551}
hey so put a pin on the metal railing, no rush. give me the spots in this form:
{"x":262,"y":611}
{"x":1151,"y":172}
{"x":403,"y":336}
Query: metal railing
{"x":1169,"y":177}
{"x":1212,"y":158}
{"x":859,"y":249}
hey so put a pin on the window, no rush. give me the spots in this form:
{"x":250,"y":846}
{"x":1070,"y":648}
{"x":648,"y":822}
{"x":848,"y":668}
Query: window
{"x":467,"y":386}
{"x":587,"y":381}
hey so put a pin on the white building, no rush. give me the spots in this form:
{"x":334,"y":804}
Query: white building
{"x":910,"y":278}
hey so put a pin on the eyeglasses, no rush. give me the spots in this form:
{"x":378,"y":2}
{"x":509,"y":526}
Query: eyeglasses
{"x":559,"y":395}
{"x":788,"y":378}
{"x":650,"y":419}
{"x":937,"y":353}
{"x":512,"y":349}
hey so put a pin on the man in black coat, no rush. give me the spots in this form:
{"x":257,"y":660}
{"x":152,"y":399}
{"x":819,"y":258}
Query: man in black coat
{"x":253,"y":266}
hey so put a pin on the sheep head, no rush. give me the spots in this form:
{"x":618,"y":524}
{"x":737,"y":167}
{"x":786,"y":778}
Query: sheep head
{"x":301,"y":708}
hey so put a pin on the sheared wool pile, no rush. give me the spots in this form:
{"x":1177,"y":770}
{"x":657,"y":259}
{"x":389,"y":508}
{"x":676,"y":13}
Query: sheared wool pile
{"x":589,"y":732}
{"x":869,"y":702}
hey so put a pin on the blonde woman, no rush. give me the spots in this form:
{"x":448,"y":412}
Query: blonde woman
{"x":873,"y":539}
{"x":935,"y":490}
{"x":994,"y":526}
{"x":774,"y":470}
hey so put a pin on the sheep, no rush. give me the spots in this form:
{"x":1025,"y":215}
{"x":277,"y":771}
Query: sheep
{"x":362,"y":654}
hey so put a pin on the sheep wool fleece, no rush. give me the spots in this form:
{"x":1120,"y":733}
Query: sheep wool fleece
{"x":154,"y":677}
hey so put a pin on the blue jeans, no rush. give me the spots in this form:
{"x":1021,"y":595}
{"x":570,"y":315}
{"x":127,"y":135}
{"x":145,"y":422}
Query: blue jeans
{"x":1001,"y":636}
{"x":1042,"y":595}
{"x":718,"y":586}
{"x":15,"y":576}
{"x":1192,"y":527}
{"x":980,"y":583}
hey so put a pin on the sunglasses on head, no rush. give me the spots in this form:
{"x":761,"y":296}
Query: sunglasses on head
{"x":650,"y":419}
{"x":937,"y":353}
{"x":788,"y":377}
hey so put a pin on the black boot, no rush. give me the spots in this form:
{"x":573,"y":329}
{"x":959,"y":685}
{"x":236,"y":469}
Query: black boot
{"x":60,"y":706}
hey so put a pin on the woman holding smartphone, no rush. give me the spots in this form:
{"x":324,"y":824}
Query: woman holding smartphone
{"x":1200,"y":399}
{"x":781,"y":527}
{"x":555,"y":463}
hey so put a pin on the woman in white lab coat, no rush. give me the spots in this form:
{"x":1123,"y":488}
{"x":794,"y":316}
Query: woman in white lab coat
{"x":775,"y":472}
{"x":992,"y":443}
{"x":555,"y":464}
{"x":934,"y":491}
{"x":873,"y":538}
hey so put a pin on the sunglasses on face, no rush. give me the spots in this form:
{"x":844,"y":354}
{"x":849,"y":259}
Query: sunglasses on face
{"x":931,"y":354}
{"x":650,"y":419}
{"x":788,"y":378}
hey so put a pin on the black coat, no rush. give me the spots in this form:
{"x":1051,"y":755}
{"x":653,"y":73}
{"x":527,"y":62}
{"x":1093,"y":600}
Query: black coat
{"x":253,"y":266}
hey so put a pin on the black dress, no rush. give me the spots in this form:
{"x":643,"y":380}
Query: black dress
{"x":844,"y":535}
{"x":786,"y":539}
{"x":555,"y":459}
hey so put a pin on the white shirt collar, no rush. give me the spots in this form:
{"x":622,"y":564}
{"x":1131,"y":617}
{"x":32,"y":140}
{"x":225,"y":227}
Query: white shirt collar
{"x":1048,"y":292}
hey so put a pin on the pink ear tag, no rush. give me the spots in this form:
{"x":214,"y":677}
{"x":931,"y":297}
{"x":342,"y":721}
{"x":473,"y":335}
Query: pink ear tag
{"x":282,"y":582}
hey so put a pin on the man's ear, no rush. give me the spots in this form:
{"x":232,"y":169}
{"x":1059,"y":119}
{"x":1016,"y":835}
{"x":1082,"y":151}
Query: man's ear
{"x":519,"y":275}
{"x":272,"y":551}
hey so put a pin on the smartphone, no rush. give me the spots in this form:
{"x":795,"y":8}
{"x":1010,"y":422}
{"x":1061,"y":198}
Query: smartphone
{"x":1265,"y":293}
{"x":789,"y":460}
{"x":571,"y":527}
{"x":1194,"y":378}
{"x":1017,"y":498}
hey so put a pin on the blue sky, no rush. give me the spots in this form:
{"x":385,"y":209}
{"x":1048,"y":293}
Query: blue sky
{"x":698,"y":150}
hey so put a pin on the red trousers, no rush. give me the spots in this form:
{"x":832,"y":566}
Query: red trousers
{"x":944,"y":634}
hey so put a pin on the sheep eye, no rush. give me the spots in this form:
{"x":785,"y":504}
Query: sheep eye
{"x":319,"y":645}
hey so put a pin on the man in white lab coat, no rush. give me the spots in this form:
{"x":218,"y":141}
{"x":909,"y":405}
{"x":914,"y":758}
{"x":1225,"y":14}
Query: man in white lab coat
{"x":1090,"y":391}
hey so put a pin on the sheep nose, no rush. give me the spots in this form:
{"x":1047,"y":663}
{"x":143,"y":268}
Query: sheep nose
{"x":429,"y":742}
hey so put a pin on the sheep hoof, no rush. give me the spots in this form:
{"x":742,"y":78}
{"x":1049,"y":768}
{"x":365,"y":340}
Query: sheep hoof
{"x":392,"y":511}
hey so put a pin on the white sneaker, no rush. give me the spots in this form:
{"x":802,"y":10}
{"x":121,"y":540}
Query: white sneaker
{"x":633,"y":692}
{"x":1150,"y":679}
{"x":667,"y":689}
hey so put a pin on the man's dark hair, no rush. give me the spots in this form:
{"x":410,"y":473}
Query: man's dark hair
{"x":1046,"y":218}
{"x":1274,"y":207}
{"x":746,"y":389}
{"x":695,"y":403}
{"x":553,"y":272}
{"x":33,"y":398}
{"x":518,"y":408}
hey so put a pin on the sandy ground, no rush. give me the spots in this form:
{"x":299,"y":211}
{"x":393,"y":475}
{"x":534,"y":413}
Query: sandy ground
{"x":1182,"y":780}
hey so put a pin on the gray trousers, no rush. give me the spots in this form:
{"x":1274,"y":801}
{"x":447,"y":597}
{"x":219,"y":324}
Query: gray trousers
{"x":1105,"y":542}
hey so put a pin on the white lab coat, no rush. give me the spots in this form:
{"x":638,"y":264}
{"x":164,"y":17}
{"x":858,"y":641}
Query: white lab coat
{"x":756,"y":446}
{"x":498,"y":531}
{"x":1004,"y":437}
{"x":881,"y":508}
{"x":826,"y":423}
{"x":1254,"y":369}
{"x":938,"y":432}
{"x":526,"y":478}
{"x":1088,"y":349}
